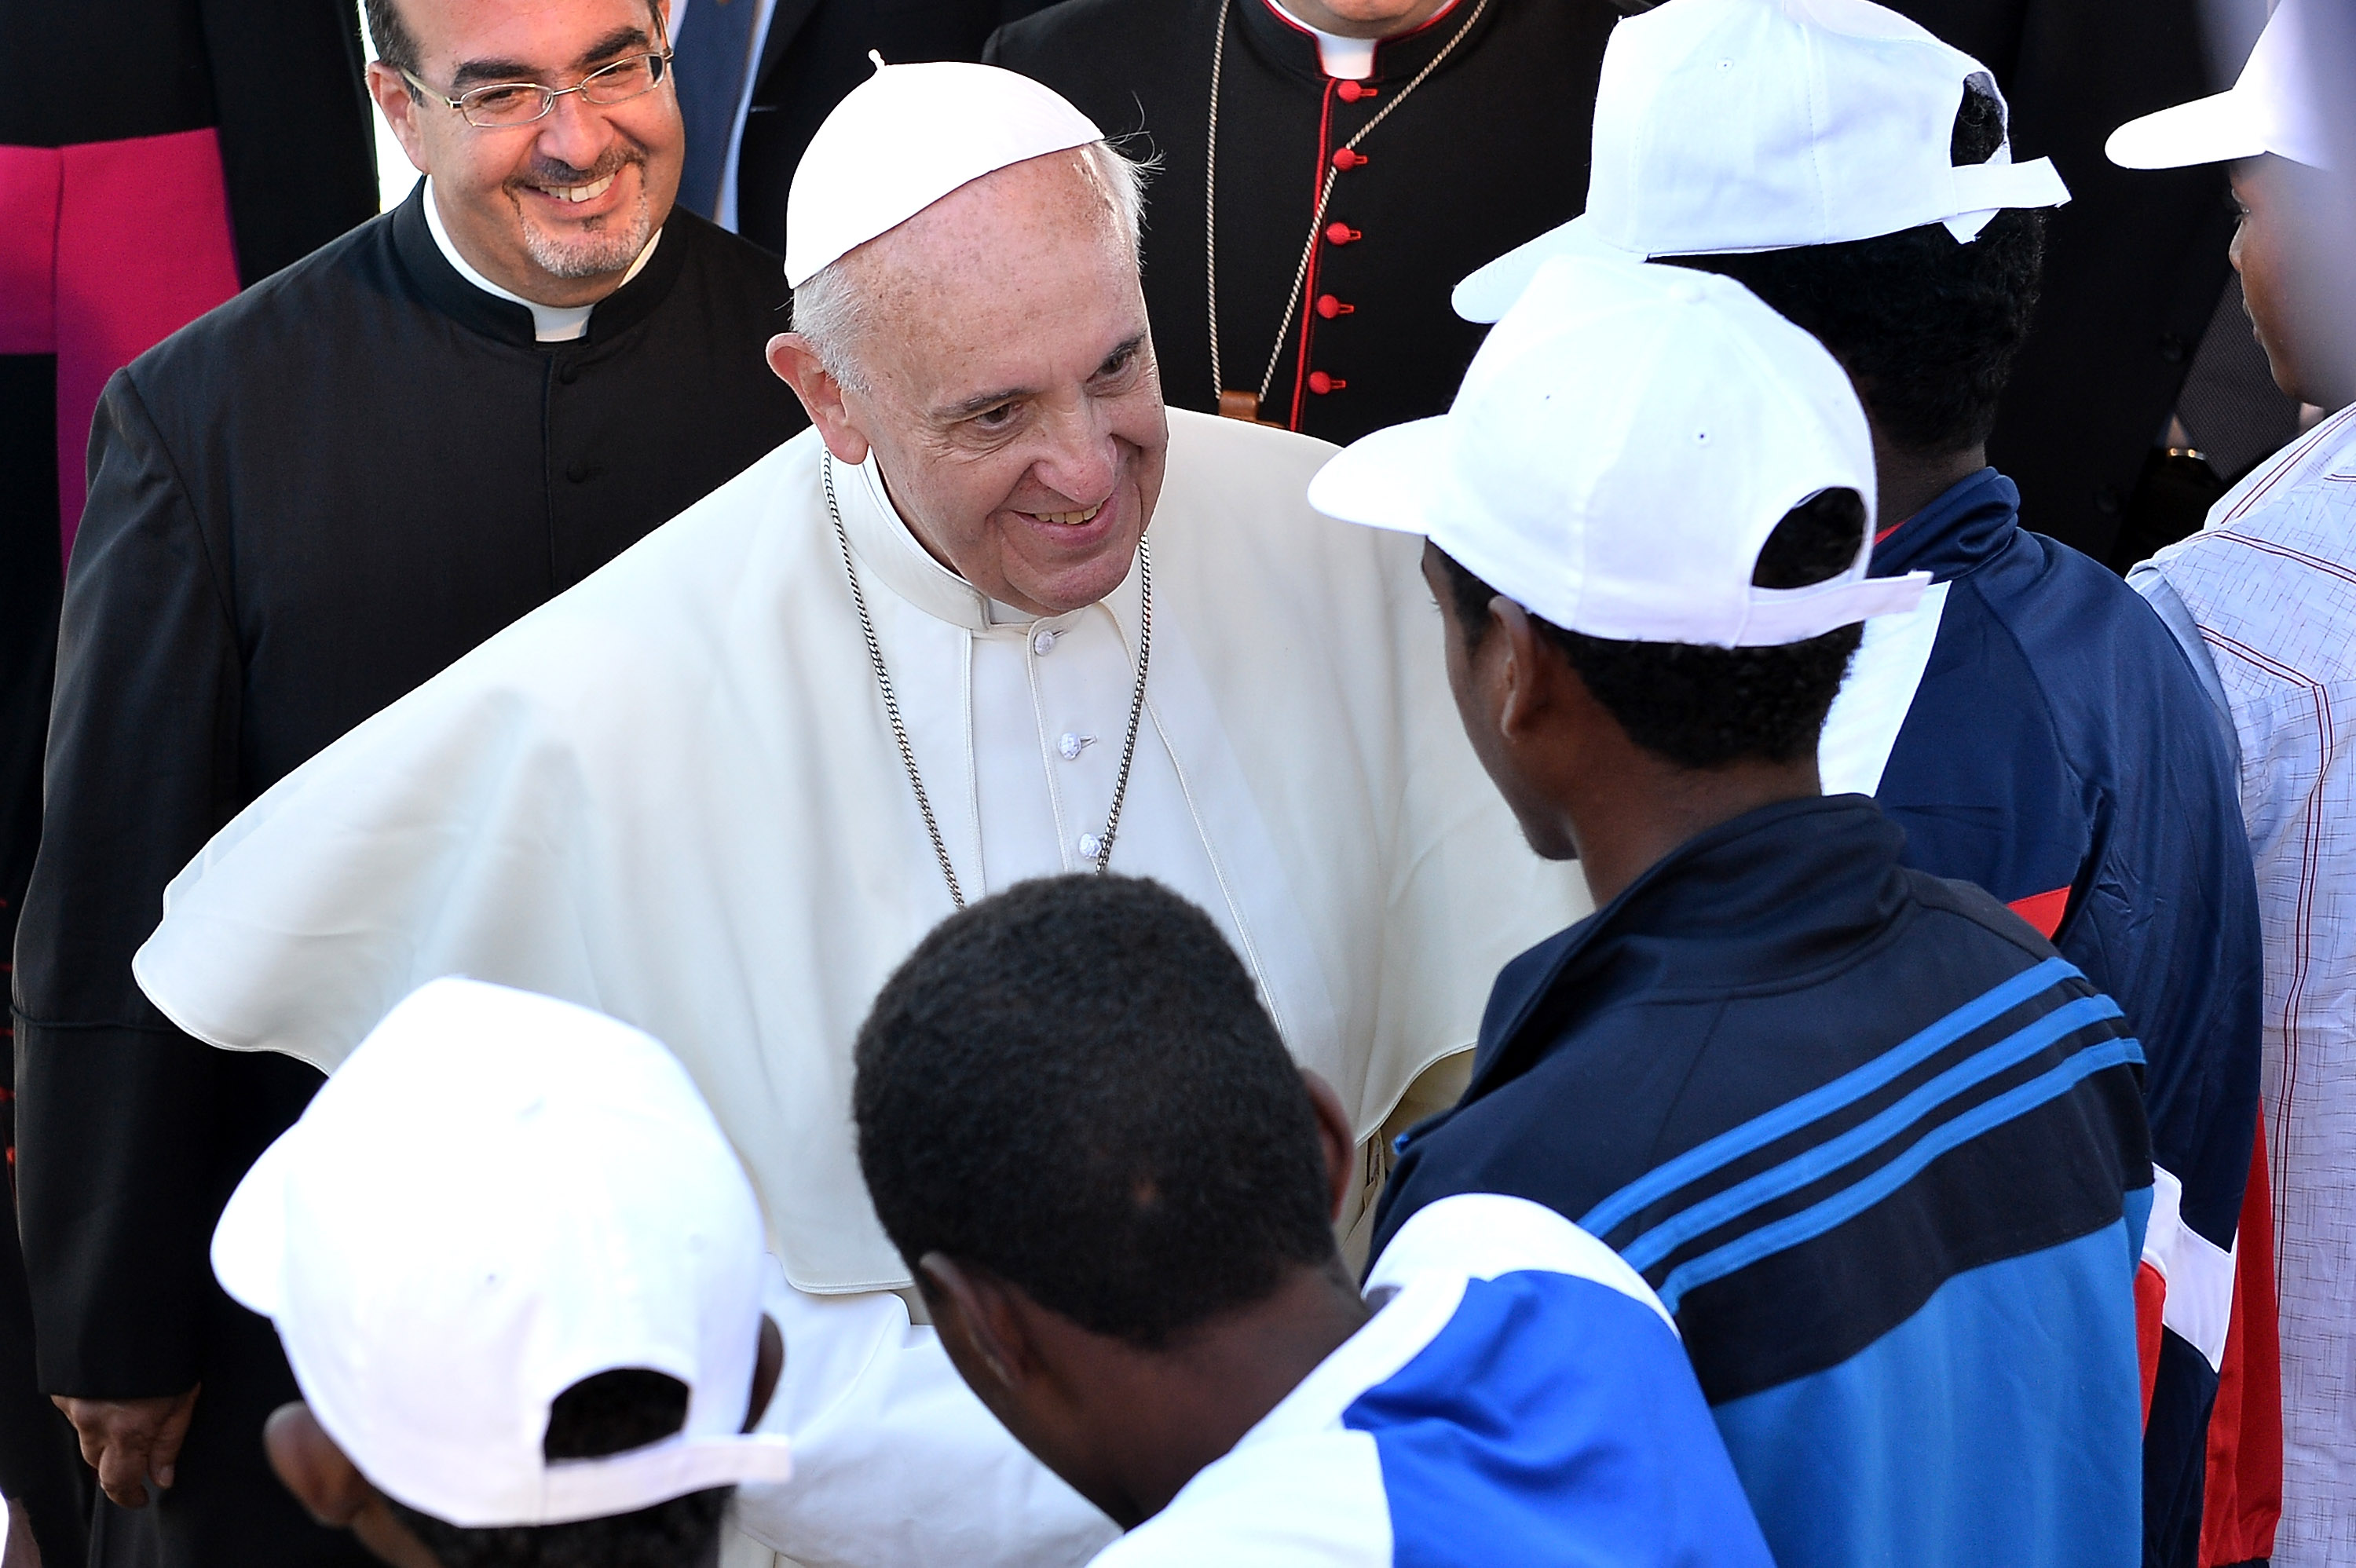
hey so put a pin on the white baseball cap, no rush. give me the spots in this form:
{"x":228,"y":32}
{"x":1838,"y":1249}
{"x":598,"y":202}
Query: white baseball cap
{"x":2273,"y":107}
{"x":495,"y":1196}
{"x":1624,"y":443}
{"x":1725,"y":126}
{"x":905,"y":138}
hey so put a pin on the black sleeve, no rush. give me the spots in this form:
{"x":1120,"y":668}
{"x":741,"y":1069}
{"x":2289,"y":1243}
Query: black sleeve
{"x":117,"y":1173}
{"x":298,"y":149}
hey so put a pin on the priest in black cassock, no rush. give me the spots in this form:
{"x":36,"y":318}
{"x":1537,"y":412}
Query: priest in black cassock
{"x":303,"y":505}
{"x":1329,"y":169}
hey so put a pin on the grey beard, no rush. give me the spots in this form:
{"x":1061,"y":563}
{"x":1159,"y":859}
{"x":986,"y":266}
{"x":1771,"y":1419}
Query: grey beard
{"x":593,"y":254}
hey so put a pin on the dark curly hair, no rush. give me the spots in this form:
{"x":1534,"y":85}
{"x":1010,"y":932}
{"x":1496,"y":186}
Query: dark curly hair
{"x":608,"y":1414}
{"x":1705,"y":707}
{"x":1926,"y":327}
{"x":1074,"y":1086}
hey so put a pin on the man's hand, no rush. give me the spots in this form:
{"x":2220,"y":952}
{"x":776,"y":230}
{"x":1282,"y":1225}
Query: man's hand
{"x":128,"y":1441}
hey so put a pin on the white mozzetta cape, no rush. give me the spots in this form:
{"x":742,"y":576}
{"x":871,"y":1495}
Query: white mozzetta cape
{"x":672,"y":795}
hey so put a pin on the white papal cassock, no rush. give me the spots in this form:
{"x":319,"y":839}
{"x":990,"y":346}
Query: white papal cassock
{"x":672,"y":793}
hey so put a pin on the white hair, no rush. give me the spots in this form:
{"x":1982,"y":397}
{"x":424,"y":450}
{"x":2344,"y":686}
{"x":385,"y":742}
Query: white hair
{"x":829,"y":308}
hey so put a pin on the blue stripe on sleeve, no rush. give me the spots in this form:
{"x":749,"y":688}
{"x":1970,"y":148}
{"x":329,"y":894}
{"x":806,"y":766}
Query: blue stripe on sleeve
{"x":1651,"y":1246}
{"x":1811,"y":1223}
{"x":1763,"y":1130}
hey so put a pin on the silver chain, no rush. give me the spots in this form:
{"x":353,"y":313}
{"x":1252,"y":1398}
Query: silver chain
{"x":1324,"y":195}
{"x":900,"y":729}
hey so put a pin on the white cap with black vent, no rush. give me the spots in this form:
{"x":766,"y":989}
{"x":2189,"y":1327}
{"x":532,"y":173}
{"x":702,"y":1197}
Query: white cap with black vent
{"x":1725,"y":127}
{"x":497,"y":1196}
{"x":1623,"y":444}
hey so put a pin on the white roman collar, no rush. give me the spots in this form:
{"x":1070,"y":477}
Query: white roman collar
{"x":550,"y":322}
{"x":1345,"y":59}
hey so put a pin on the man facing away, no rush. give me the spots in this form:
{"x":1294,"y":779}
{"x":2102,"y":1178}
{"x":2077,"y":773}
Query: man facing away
{"x":303,"y":505}
{"x":2261,"y":601}
{"x":2029,"y":726}
{"x":544,"y":1343}
{"x":1880,"y":1150}
{"x":1115,"y":1192}
{"x":922,"y":652}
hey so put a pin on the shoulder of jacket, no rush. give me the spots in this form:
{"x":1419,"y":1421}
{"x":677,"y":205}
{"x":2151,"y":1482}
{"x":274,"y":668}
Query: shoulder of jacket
{"x":284,"y":308}
{"x":1975,"y":905}
{"x":714,"y":246}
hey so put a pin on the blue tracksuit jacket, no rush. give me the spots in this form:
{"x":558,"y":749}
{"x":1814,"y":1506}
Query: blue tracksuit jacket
{"x":1880,"y":1150}
{"x":2057,"y":750}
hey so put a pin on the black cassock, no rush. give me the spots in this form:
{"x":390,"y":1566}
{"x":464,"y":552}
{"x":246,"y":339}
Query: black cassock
{"x":1490,"y":149}
{"x":303,"y":505}
{"x":269,"y":91}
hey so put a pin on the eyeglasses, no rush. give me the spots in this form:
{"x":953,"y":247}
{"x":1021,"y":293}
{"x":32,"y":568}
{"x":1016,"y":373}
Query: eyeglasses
{"x":503,"y":104}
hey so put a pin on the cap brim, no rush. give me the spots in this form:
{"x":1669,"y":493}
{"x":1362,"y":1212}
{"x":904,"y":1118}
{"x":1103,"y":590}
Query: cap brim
{"x":1490,"y":291}
{"x":2213,"y":129}
{"x":1392,"y":479}
{"x":249,"y":1251}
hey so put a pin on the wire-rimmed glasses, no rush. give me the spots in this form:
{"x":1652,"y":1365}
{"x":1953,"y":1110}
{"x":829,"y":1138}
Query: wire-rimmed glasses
{"x":501,"y":106}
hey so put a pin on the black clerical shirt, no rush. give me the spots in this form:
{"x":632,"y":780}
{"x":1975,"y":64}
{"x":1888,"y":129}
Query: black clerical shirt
{"x":301,"y":505}
{"x":1488,"y":151}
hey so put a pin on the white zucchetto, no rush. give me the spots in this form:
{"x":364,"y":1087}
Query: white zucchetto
{"x":906,"y":137}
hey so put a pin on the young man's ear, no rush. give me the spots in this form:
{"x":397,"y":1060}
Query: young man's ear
{"x":1525,"y":675}
{"x":978,"y":1324}
{"x":324,"y":1481}
{"x":1334,"y":1138}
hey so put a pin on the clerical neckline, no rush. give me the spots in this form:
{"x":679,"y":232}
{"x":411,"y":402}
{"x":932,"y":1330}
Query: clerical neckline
{"x":1346,"y":58}
{"x":550,"y":324}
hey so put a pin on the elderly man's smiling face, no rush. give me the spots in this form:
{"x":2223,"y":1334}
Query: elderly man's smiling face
{"x":1004,"y":375}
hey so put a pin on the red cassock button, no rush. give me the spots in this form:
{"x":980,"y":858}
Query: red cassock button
{"x":1329,"y":307}
{"x":1346,"y":159}
{"x":1321,"y":383}
{"x":1341,"y":234}
{"x":1351,"y":91}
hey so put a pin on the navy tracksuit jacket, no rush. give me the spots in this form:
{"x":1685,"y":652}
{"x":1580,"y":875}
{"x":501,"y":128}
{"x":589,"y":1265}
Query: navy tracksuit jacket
{"x":1881,"y":1153}
{"x":2059,"y":752}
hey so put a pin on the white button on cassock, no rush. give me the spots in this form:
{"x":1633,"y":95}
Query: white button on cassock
{"x":1042,"y":641}
{"x":1089,"y":845}
{"x":1072,"y":745}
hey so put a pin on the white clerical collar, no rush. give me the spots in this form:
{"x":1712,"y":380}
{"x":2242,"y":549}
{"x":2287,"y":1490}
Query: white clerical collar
{"x":885,"y":544}
{"x":550,"y":322}
{"x":1346,"y":59}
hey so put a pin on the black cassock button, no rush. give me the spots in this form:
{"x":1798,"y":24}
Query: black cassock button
{"x":579,"y":472}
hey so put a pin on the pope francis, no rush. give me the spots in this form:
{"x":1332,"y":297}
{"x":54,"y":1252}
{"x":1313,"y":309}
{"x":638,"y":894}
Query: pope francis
{"x":922,"y":651}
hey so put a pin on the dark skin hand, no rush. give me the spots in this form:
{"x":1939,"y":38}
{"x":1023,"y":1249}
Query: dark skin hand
{"x":1580,"y":787}
{"x":130,"y":1441}
{"x":324,"y":1481}
{"x":1128,"y":1426}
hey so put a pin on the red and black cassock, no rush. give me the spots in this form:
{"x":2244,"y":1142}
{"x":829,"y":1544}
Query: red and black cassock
{"x":1489,"y":149}
{"x":154,"y":155}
